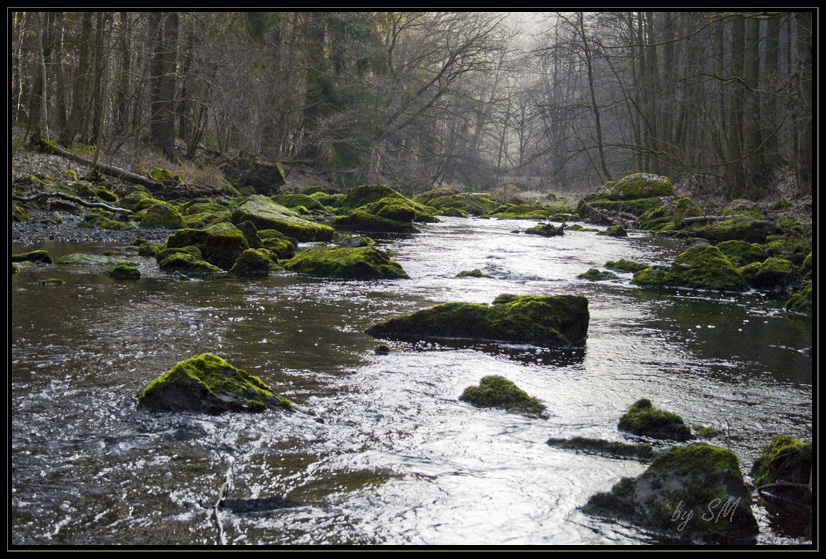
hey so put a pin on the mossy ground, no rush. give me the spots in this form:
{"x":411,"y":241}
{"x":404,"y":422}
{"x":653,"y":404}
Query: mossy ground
{"x":645,"y":420}
{"x":498,"y":392}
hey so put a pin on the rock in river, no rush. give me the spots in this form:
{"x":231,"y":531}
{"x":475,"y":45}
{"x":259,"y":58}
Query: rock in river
{"x":548,"y":321}
{"x":207,"y":383}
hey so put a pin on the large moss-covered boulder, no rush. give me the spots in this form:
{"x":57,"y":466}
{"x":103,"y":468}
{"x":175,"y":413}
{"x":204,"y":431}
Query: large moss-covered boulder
{"x":752,"y":228}
{"x":670,"y":215}
{"x":633,"y":195}
{"x":770,"y":274}
{"x":544,"y":321}
{"x":741,"y":253}
{"x":267,"y":214}
{"x":692,"y":494}
{"x":257,"y":176}
{"x":498,"y":392}
{"x":643,"y":419}
{"x":162,"y":216}
{"x":207,"y":383}
{"x":360,"y":263}
{"x":281,"y":245}
{"x":205,"y":213}
{"x":185,"y":260}
{"x":220,"y":244}
{"x":785,"y":459}
{"x":137,"y":200}
{"x":369,"y":194}
{"x":699,"y":267}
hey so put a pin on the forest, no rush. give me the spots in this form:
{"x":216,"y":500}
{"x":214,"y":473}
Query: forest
{"x":721,"y":101}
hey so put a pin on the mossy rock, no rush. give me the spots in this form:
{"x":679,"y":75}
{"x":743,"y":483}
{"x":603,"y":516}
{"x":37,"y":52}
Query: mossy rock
{"x":645,"y":420}
{"x":207,"y":383}
{"x":354,"y":241}
{"x":165,"y":175}
{"x":708,"y":432}
{"x":636,"y":186}
{"x":785,"y":460}
{"x":204,"y":214}
{"x":595,"y":275}
{"x":137,"y":200}
{"x":691,"y":494}
{"x":19,"y":213}
{"x":81,"y":259}
{"x":124,"y":272}
{"x":221,"y":244}
{"x":182,"y":260}
{"x":546,"y":230}
{"x":801,"y":301}
{"x":361,"y":263}
{"x":369,"y":194}
{"x":699,"y":267}
{"x":256,"y":177}
{"x":520,"y":211}
{"x":14,"y":268}
{"x":278,"y":243}
{"x":250,"y":232}
{"x":544,"y":321}
{"x":472,"y":274}
{"x":624,"y":265}
{"x":38,"y":256}
{"x":608,"y":449}
{"x":362,"y":219}
{"x":498,"y":392}
{"x":749,"y":228}
{"x":587,"y":206}
{"x":267,"y":214}
{"x":319,"y":189}
{"x":449,"y":202}
{"x":252,"y":263}
{"x":670,"y":215}
{"x":294,"y":201}
{"x":162,"y":216}
{"x":794,"y":249}
{"x":614,"y":231}
{"x":741,"y":253}
{"x":774,"y":273}
{"x":51,"y":281}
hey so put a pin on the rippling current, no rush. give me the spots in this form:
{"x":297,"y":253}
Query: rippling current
{"x":383,"y":451}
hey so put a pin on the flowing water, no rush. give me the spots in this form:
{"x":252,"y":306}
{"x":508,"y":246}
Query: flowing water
{"x":386,"y":453}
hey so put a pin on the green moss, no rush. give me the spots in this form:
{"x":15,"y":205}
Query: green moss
{"x":221,"y":244}
{"x":165,"y":175}
{"x":51,"y":281}
{"x":252,"y":263}
{"x":15,"y":268}
{"x":124,"y":272}
{"x":353,"y":241}
{"x":363,"y":263}
{"x":546,"y":230}
{"x":614,"y":231}
{"x":498,"y":392}
{"x":39,"y":256}
{"x":278,"y":243}
{"x":19,"y":212}
{"x":446,"y":201}
{"x":637,"y":207}
{"x":267,"y":214}
{"x":207,"y":383}
{"x":692,"y":493}
{"x":699,"y":267}
{"x":369,"y":194}
{"x":610,"y":449}
{"x":293,"y":201}
{"x":71,"y":175}
{"x":670,"y":215}
{"x":636,"y":186}
{"x":624,"y":265}
{"x":747,"y":228}
{"x":137,"y":200}
{"x":162,"y":216}
{"x":708,"y":432}
{"x":520,"y":211}
{"x":178,"y":261}
{"x":774,"y":272}
{"x":645,"y":420}
{"x":741,"y":253}
{"x":164,"y":253}
{"x":801,"y":302}
{"x":545,"y":321}
{"x":595,"y":275}
{"x":361,"y":219}
{"x":204,"y":214}
{"x":472,"y":274}
{"x":794,"y":249}
{"x":786,"y":459}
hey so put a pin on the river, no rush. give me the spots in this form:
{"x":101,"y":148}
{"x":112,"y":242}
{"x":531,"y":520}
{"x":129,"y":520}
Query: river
{"x":386,"y":453}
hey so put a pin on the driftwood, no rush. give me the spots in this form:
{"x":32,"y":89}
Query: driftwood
{"x":106,"y":169}
{"x":68,"y":198}
{"x":170,"y":189}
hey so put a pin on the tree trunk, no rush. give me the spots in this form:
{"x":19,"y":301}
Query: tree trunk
{"x":753,"y":162}
{"x":79,"y":108}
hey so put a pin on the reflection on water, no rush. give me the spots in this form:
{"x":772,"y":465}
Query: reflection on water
{"x":382,"y":450}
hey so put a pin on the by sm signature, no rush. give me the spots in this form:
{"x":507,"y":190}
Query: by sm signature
{"x":717,"y":510}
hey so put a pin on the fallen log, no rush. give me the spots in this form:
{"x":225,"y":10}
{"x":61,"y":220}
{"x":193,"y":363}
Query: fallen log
{"x":75,"y":199}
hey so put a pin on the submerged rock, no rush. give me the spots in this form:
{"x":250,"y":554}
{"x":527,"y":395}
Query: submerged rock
{"x":124,"y":272}
{"x":624,"y":265}
{"x":360,"y":263}
{"x":700,"y":267}
{"x":545,"y":321}
{"x":693,"y":494}
{"x":498,"y":392}
{"x":595,"y":275}
{"x":207,"y":383}
{"x":546,"y":230}
{"x":609,"y":449}
{"x":477,"y":273}
{"x":645,"y":420}
{"x":82,"y":259}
